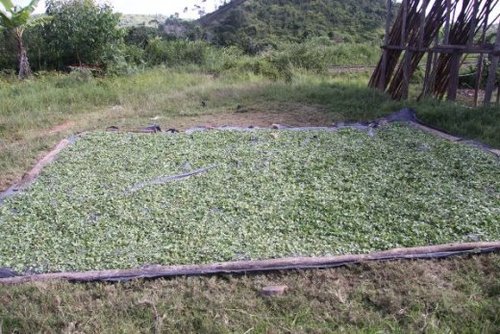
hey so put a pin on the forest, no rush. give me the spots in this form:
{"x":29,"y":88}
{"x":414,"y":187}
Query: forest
{"x":84,"y":33}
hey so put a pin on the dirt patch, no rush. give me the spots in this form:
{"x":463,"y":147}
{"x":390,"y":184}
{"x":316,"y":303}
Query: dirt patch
{"x":292,"y":115}
{"x":61,"y":127}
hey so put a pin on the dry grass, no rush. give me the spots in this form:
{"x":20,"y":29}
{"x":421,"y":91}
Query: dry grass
{"x":454,"y":295}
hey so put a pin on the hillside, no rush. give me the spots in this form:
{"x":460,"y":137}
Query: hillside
{"x":254,"y":24}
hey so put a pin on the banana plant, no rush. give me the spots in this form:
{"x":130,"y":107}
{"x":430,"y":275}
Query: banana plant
{"x":15,"y":18}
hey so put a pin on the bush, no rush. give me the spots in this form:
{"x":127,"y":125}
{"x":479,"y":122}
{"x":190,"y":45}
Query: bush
{"x":319,"y":54}
{"x":177,"y":52}
{"x":82,"y":32}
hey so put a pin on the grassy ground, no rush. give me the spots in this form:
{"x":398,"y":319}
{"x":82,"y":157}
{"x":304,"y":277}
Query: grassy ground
{"x":451,"y":296}
{"x":34,"y":115}
{"x":457,"y":295}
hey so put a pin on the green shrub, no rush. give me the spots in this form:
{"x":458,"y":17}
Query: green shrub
{"x":177,"y":52}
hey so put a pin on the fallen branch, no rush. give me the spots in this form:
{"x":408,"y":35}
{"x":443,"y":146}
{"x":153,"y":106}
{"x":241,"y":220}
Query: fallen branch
{"x":150,"y":272}
{"x":166,"y":179}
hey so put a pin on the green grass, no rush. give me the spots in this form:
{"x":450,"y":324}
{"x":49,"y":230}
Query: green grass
{"x":30,"y":109}
{"x":457,"y":295}
{"x":271,"y":194}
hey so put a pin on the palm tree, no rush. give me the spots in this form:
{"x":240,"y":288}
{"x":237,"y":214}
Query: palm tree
{"x":15,"y":19}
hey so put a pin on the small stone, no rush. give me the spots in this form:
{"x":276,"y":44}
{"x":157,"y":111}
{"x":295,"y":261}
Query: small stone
{"x":112,"y":128}
{"x":152,"y":129}
{"x":275,"y":290}
{"x":240,"y":109}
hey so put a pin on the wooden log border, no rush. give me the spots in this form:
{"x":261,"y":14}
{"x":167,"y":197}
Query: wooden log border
{"x":260,"y":266}
{"x":248,"y":267}
{"x":30,"y":176}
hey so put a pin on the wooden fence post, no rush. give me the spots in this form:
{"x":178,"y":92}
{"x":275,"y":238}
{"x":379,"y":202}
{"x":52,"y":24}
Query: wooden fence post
{"x":490,"y":84}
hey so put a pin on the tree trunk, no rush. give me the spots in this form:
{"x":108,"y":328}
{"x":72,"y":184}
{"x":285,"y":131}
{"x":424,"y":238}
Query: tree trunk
{"x":22,"y":55}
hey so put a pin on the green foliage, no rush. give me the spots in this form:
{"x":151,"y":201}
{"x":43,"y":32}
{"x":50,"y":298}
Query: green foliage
{"x":255,"y":25}
{"x":8,"y":58}
{"x":177,"y":52}
{"x":82,"y":32}
{"x":319,"y":54}
{"x":15,"y":17}
{"x":140,"y":35}
{"x":272,"y":194}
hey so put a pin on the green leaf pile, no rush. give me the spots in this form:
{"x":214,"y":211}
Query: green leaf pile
{"x":272,"y":194}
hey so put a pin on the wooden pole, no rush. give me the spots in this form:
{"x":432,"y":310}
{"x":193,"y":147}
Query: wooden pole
{"x":454,"y":74}
{"x":472,"y":28}
{"x":428,"y":75}
{"x":385,"y":57}
{"x":490,"y":84}
{"x":421,"y":36}
{"x":479,"y":67}
{"x":406,"y":57}
{"x":432,"y":79}
{"x":446,"y":39}
{"x":421,"y":42}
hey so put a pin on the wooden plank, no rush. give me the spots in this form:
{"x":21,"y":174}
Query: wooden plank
{"x":441,"y":48}
{"x":238,"y":267}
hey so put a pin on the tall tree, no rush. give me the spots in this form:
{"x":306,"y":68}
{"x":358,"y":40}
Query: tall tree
{"x":83,"y":31}
{"x":15,"y":19}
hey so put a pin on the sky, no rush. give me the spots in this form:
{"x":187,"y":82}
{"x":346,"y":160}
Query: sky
{"x":164,"y":7}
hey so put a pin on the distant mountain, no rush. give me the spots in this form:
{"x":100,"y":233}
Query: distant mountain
{"x":253,"y":24}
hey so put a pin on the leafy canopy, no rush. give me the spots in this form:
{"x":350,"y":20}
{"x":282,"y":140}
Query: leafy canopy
{"x":13,"y":16}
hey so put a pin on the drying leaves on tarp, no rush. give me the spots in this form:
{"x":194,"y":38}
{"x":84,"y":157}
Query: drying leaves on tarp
{"x":262,"y":194}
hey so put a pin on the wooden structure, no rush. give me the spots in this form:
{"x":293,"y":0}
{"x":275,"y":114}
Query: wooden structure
{"x":440,"y":35}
